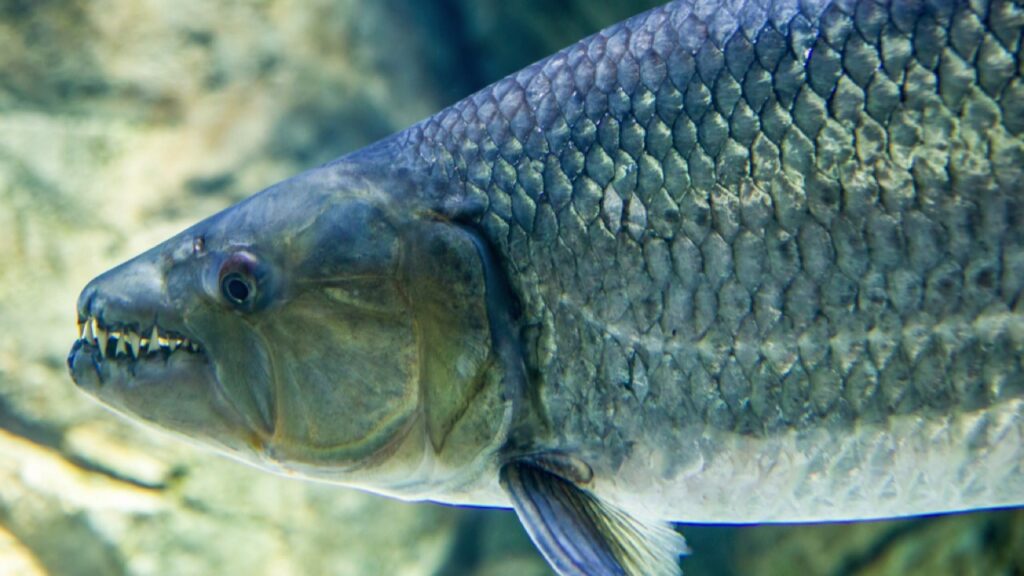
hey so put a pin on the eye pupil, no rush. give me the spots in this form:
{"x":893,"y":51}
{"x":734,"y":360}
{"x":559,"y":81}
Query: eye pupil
{"x":236,"y":288}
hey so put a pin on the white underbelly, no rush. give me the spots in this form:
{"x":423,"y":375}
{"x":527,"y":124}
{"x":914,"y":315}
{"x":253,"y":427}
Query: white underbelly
{"x":910,"y":465}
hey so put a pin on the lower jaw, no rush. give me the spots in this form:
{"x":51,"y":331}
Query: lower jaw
{"x":92,"y":369}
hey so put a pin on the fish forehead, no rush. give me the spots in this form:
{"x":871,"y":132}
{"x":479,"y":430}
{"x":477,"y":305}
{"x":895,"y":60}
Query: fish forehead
{"x":739,"y":220}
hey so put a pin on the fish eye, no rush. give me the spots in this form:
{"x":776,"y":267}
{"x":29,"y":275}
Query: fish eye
{"x":239,"y":281}
{"x":236,"y":288}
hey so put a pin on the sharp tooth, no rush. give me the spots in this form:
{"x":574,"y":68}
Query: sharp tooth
{"x":119,"y":350}
{"x":195,"y":347}
{"x":87,"y":333}
{"x":81,"y":329}
{"x":101,"y":337}
{"x":154,"y":340}
{"x":133,"y":343}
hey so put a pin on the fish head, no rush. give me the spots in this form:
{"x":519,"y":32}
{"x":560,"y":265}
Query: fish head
{"x":304,"y":330}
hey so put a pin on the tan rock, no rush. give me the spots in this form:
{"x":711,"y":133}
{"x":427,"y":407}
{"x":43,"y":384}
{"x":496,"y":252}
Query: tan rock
{"x":15,"y":558}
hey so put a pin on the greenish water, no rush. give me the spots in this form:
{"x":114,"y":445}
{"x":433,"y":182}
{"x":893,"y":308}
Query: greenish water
{"x":123,"y":122}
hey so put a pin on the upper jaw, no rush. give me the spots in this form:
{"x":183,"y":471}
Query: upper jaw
{"x":123,"y":315}
{"x":115,"y":350}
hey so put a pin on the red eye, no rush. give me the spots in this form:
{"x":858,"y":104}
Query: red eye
{"x":239,"y":280}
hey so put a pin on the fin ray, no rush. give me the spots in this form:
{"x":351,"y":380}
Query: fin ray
{"x":579,"y":534}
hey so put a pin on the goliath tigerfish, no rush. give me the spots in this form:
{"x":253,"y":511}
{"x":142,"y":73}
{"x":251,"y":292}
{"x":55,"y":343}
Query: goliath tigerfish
{"x":739,"y":261}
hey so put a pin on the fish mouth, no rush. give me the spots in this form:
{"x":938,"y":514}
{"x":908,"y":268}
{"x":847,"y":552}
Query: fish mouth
{"x":131,"y":342}
{"x":127,"y":345}
{"x":162,"y":377}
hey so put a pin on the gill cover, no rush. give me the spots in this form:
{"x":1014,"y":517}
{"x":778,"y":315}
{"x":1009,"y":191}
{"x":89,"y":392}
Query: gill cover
{"x":372,"y":348}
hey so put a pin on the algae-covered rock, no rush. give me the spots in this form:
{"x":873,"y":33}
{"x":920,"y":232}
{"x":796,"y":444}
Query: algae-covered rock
{"x":122,"y":122}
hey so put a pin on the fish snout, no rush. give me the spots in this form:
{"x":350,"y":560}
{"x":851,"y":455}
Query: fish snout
{"x":124,"y":317}
{"x":132,"y":293}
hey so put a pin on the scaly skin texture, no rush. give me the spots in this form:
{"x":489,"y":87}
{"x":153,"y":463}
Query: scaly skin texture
{"x":769,"y":255}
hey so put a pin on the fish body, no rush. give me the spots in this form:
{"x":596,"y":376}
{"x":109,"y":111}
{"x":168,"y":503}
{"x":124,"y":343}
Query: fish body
{"x":724,"y":262}
{"x":765,"y":250}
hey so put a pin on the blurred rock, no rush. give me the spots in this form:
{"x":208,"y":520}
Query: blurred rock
{"x":206,"y":516}
{"x":15,"y":558}
{"x":122,"y":123}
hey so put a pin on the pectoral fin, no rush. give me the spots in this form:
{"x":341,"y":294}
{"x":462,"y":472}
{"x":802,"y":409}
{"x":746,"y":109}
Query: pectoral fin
{"x":579,"y":534}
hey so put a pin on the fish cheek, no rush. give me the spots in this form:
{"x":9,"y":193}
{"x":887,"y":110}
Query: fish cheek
{"x":242,"y":365}
{"x":444,"y":278}
{"x":344,"y":376}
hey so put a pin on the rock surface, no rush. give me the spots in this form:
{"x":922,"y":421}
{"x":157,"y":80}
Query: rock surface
{"x":124,"y":122}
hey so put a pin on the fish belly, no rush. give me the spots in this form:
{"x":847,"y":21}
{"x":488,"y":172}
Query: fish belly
{"x":911,"y":465}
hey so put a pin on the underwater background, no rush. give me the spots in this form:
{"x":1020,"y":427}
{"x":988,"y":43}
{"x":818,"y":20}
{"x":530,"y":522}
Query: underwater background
{"x":124,"y":121}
